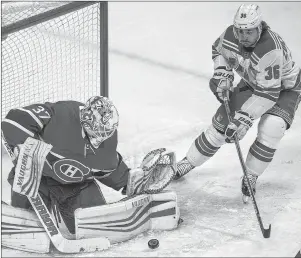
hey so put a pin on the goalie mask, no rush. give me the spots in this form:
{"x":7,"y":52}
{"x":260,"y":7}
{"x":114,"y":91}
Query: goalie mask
{"x":99,"y":118}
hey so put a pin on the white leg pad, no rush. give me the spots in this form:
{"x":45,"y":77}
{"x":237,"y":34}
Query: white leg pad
{"x":129,"y":217}
{"x":22,"y":230}
{"x":165,"y":212}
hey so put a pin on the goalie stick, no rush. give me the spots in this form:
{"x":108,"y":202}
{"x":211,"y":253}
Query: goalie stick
{"x":265,"y":232}
{"x":59,"y":241}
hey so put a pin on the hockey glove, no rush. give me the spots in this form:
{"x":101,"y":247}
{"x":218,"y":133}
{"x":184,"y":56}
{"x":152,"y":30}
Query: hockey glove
{"x":222,"y":81}
{"x":240,"y":125}
{"x":156,"y":171}
{"x":31,"y":156}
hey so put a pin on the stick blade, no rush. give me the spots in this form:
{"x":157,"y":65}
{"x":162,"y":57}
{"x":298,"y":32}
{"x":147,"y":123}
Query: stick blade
{"x":267,"y":232}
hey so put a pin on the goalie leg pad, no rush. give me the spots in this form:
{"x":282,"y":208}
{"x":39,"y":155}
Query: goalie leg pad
{"x":21,"y":229}
{"x":165,"y":213}
{"x":129,"y":217}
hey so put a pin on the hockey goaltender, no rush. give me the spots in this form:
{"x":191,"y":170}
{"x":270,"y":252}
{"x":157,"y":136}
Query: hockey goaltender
{"x":62,"y":153}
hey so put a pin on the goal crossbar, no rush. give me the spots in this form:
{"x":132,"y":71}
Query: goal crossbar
{"x":42,"y":17}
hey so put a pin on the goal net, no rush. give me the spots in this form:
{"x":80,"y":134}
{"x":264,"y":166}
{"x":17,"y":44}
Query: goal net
{"x":51,"y":51}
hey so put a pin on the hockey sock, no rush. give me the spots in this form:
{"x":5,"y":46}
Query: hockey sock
{"x":205,"y":146}
{"x":259,"y":158}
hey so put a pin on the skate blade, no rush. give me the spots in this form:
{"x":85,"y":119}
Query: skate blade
{"x":245,"y":199}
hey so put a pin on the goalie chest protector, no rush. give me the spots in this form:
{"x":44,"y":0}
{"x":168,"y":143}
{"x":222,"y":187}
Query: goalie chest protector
{"x":72,"y":153}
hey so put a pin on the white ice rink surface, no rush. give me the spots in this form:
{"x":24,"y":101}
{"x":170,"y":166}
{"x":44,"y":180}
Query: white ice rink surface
{"x":160,"y":61}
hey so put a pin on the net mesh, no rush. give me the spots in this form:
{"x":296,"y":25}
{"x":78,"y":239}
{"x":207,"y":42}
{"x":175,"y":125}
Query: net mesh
{"x":58,"y":59}
{"x":14,"y":12}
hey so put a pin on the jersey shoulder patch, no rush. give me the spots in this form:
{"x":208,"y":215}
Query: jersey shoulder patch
{"x":266,"y":44}
{"x":229,"y":35}
{"x":229,"y":41}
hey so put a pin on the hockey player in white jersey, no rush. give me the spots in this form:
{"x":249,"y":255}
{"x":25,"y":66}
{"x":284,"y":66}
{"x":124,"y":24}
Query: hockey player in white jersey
{"x":269,"y":90}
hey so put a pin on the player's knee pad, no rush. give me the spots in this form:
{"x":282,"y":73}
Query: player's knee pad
{"x":129,"y":217}
{"x":205,"y":146}
{"x":271,"y":129}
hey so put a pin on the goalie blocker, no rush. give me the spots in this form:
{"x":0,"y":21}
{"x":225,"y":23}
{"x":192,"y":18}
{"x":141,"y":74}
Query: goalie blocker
{"x":120,"y":221}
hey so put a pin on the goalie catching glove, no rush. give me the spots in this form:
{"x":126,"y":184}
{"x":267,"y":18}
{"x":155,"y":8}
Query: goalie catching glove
{"x":155,"y":172}
{"x":221,"y":82}
{"x":30,"y":158}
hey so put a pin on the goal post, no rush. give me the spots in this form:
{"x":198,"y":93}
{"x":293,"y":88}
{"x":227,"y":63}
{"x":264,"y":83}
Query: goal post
{"x":53,"y":51}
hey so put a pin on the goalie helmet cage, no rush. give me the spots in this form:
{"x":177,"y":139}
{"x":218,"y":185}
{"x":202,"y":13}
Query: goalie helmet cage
{"x":53,"y":51}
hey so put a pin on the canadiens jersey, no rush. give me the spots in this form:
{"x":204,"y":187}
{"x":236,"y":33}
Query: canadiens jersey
{"x":72,"y":157}
{"x":268,"y":68}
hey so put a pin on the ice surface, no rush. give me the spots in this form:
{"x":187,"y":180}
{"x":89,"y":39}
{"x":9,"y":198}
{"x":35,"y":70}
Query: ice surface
{"x":160,"y":61}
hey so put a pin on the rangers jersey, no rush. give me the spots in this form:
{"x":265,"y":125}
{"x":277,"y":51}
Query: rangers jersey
{"x":268,"y":68}
{"x":72,"y":158}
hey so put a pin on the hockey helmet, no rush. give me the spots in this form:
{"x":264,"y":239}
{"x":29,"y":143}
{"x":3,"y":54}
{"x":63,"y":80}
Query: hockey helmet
{"x":248,"y":16}
{"x":99,"y":118}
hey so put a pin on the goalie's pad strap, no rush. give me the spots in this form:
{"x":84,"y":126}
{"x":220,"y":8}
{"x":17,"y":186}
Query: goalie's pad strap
{"x":29,"y":168}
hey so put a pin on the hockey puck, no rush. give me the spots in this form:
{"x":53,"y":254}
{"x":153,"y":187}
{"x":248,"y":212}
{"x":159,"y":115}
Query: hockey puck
{"x":153,"y":243}
{"x":180,"y":221}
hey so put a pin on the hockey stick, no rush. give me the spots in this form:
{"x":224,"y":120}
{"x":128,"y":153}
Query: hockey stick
{"x":59,"y":241}
{"x":266,"y":232}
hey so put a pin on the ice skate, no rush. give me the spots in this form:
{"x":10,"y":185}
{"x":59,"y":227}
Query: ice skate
{"x":183,"y":167}
{"x":244,"y":187}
